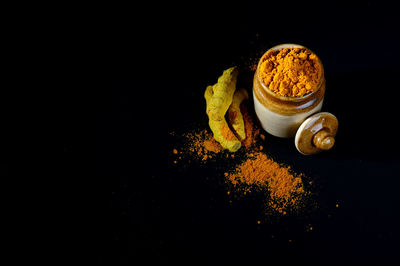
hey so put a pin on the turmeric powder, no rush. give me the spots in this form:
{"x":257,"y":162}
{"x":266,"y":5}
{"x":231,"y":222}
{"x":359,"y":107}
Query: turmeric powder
{"x":252,"y":131}
{"x":201,"y":145}
{"x":292,"y":72}
{"x":285,"y":190}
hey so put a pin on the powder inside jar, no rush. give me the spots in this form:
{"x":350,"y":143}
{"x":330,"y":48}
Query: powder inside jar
{"x":291,"y":72}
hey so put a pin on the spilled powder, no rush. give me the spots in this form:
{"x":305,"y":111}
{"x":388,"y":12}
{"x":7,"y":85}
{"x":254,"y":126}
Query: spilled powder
{"x":284,"y":189}
{"x":201,"y":145}
{"x":252,"y":132}
{"x":249,"y":169}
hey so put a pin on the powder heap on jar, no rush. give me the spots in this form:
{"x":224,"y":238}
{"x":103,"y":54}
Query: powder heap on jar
{"x":291,"y":72}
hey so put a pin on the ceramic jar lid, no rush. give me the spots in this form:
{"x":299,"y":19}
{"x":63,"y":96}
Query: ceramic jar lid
{"x":316,"y":133}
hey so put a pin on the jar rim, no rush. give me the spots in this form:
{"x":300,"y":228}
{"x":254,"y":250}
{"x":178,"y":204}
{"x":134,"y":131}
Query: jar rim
{"x":289,"y":98}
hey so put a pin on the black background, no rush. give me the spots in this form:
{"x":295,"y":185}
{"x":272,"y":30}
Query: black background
{"x":142,"y":72}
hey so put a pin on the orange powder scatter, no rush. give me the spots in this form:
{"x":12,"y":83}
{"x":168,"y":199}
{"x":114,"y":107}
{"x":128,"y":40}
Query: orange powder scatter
{"x":285,"y":190}
{"x":212,"y":145}
{"x":251,"y":131}
{"x":201,"y":145}
{"x":226,"y":132}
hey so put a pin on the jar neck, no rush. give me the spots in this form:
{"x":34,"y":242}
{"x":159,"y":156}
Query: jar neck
{"x":287,"y":105}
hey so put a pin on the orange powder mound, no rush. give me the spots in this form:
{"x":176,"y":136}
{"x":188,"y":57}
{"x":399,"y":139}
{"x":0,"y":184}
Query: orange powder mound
{"x":227,"y":133}
{"x":291,"y":71}
{"x":202,"y":145}
{"x":251,"y":130}
{"x":285,"y":190}
{"x":211,"y":145}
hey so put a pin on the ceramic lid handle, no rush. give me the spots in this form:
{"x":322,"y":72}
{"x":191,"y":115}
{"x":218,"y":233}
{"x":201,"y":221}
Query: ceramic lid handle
{"x":316,"y":133}
{"x":323,"y":140}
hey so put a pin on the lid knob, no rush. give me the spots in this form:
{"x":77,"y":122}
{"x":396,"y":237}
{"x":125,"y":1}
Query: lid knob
{"x":316,"y":133}
{"x":323,"y":140}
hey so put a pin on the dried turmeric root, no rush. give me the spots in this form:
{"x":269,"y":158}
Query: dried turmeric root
{"x":219,"y":97}
{"x":222,"y":94}
{"x":235,"y":117}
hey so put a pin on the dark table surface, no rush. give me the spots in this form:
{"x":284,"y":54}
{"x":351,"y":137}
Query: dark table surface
{"x":149,"y":75}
